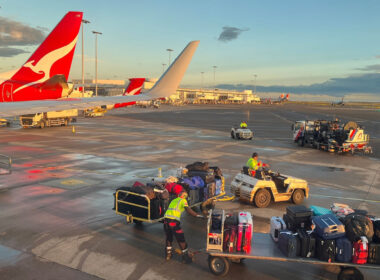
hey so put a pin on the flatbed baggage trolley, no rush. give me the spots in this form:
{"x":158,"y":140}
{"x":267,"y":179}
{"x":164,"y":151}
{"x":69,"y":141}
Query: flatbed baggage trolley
{"x":263,"y":248}
{"x":145,"y":208}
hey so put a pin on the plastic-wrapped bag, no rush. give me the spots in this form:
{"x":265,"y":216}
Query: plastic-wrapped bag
{"x":341,"y":210}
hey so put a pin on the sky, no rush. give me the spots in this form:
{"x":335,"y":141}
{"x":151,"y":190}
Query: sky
{"x":312,"y":47}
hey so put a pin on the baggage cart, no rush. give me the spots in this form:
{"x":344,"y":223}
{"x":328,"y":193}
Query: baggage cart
{"x":130,"y":218}
{"x":263,"y":248}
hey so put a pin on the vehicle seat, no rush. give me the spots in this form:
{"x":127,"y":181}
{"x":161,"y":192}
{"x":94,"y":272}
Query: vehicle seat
{"x":245,"y":170}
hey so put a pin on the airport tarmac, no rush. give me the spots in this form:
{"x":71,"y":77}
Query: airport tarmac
{"x":56,"y":220}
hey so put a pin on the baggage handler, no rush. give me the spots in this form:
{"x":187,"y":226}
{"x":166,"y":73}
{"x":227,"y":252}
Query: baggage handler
{"x":253,"y":164}
{"x":243,"y":125}
{"x":172,"y":226}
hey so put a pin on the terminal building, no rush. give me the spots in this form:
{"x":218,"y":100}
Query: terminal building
{"x":183,"y":95}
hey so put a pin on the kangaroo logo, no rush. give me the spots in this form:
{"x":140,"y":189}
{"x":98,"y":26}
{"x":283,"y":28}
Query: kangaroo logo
{"x":44,"y":65}
{"x":133,"y":91}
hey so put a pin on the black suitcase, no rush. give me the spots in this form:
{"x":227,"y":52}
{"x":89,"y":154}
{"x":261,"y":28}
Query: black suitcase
{"x":298,"y":223}
{"x":298,"y":216}
{"x":207,"y":177}
{"x":376,"y":230}
{"x":193,"y":197}
{"x":308,"y":243}
{"x":374,"y":253}
{"x":325,"y":249}
{"x":289,"y":244}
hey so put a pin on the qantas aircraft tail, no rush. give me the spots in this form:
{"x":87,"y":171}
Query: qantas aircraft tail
{"x":135,"y":86}
{"x":53,"y":57}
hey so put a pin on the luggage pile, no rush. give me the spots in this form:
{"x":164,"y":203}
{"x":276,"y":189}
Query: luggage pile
{"x":231,"y":232}
{"x":199,"y":180}
{"x":339,"y":234}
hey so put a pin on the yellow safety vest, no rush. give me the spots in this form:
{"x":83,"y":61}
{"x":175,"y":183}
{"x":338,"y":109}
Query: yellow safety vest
{"x":252,"y":164}
{"x":176,"y":207}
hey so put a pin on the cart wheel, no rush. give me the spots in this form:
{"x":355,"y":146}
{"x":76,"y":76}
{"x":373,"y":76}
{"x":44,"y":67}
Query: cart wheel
{"x":262,"y":198}
{"x":300,"y":142}
{"x":232,"y":135}
{"x":218,"y":265}
{"x":298,"y":196}
{"x":350,"y":273}
{"x":137,"y":222}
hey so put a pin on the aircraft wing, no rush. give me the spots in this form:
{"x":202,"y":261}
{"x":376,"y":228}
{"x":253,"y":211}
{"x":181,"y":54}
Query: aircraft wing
{"x":9,"y":109}
{"x":166,"y":86}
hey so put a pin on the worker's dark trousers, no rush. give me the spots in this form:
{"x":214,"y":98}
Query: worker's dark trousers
{"x":173,"y":228}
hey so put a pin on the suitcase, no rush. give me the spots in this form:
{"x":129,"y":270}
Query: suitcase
{"x":325,"y":249}
{"x":216,"y":222}
{"x":207,"y":177}
{"x":376,"y":230}
{"x":289,"y":244}
{"x":277,"y":224}
{"x":244,"y":234}
{"x":374,"y":253}
{"x":198,"y":166}
{"x":298,"y":216}
{"x":319,"y":211}
{"x":341,"y":210}
{"x":308,"y":243}
{"x":230,"y":236}
{"x":193,"y":197}
{"x":360,"y":251}
{"x":343,"y":250}
{"x":328,"y":226}
{"x":218,"y":185}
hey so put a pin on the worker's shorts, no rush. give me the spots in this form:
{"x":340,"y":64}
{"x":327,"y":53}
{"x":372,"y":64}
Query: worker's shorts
{"x":173,"y":228}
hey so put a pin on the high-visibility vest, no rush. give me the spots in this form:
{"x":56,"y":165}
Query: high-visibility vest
{"x":252,"y":164}
{"x":243,"y":124}
{"x":176,"y":207}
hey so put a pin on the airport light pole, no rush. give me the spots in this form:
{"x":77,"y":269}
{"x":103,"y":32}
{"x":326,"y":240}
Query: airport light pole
{"x":202,"y":79}
{"x":163,"y":68}
{"x":84,"y":21}
{"x":96,"y":60}
{"x":214,"y":74}
{"x":169,"y":50}
{"x":255,"y":83}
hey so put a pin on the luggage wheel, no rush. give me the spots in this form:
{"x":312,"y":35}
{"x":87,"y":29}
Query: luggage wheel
{"x":350,"y":273}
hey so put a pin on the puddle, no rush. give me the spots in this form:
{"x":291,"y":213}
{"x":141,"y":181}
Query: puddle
{"x":333,"y":169}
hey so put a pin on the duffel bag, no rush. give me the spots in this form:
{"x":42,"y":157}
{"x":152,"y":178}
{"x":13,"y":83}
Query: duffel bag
{"x":358,"y":226}
{"x":198,"y":166}
{"x":174,"y":188}
{"x":148,"y":191}
{"x":217,"y":171}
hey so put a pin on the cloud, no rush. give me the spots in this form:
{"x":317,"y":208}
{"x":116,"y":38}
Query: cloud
{"x":367,"y":83}
{"x":13,"y":33}
{"x":374,"y":67}
{"x":9,"y":52}
{"x":230,"y":33}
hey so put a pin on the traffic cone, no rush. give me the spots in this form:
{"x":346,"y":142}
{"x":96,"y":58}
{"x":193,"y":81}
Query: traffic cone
{"x":73,"y":129}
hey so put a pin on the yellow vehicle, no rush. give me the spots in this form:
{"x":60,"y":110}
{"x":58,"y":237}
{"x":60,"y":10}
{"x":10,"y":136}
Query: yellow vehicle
{"x":93,"y":113}
{"x":41,"y":120}
{"x":260,"y":190}
{"x":4,"y":122}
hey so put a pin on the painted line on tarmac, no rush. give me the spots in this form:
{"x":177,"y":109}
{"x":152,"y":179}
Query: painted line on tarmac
{"x":347,"y":198}
{"x":280,"y":117}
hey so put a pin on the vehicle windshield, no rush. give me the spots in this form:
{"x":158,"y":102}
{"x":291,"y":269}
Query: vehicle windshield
{"x":298,"y":125}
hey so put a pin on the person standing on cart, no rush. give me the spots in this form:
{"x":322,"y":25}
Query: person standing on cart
{"x":172,"y":226}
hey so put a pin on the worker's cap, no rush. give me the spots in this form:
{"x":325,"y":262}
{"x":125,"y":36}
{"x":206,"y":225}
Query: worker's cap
{"x":255,"y":155}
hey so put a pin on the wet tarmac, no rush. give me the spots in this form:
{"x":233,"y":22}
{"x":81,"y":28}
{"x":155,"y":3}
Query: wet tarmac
{"x":56,"y":220}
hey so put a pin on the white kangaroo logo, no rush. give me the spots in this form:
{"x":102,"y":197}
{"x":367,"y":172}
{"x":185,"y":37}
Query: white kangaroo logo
{"x":44,"y":65}
{"x":133,"y":91}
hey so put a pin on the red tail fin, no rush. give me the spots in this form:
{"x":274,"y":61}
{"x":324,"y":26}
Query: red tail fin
{"x":135,"y":86}
{"x":53,"y":57}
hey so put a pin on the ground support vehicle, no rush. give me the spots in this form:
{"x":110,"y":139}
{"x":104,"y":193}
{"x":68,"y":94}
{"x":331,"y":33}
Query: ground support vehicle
{"x":41,"y":120}
{"x":332,"y":136}
{"x":128,"y":209}
{"x":267,"y":185}
{"x":241,"y":133}
{"x":5,"y":165}
{"x":263,"y":248}
{"x":93,"y":113}
{"x":4,"y":122}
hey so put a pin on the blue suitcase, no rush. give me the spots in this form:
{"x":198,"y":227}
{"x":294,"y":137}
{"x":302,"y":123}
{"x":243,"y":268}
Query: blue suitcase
{"x":328,"y":226}
{"x":289,"y":244}
{"x":343,"y":250}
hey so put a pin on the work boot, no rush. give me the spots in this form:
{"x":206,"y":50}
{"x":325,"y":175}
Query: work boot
{"x":185,"y":257}
{"x":168,"y":253}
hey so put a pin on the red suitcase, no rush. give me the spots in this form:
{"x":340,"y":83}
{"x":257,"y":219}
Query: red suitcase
{"x":360,"y":251}
{"x":245,"y":231}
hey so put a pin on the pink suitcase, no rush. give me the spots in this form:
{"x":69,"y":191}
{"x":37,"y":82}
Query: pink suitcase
{"x":245,"y":231}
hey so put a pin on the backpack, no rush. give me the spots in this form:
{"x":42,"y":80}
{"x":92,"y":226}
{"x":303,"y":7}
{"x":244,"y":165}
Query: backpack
{"x":358,"y":226}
